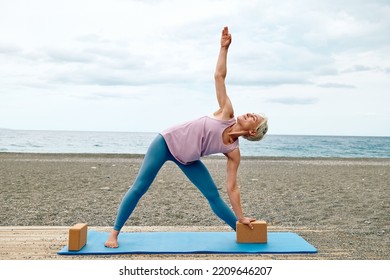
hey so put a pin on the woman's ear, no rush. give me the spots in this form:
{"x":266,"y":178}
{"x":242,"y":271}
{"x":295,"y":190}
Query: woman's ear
{"x":252,"y":132}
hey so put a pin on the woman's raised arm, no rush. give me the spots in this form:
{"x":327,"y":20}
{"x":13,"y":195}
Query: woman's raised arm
{"x":225,"y":110}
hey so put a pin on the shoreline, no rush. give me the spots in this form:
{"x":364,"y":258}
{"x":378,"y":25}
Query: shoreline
{"x":123,"y":155}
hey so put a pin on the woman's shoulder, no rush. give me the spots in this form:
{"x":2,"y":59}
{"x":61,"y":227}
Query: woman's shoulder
{"x":234,"y":155}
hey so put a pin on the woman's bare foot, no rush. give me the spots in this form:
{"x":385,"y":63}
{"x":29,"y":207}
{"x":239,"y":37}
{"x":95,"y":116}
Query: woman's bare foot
{"x":112,"y":241}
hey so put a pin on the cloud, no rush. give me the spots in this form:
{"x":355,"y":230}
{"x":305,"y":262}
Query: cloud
{"x":283,"y":50}
{"x":269,"y":79}
{"x":69,"y":56}
{"x":358,"y":68}
{"x":364,"y":68}
{"x":8,"y":49}
{"x":104,"y":95}
{"x":294,"y":100}
{"x":335,"y":85}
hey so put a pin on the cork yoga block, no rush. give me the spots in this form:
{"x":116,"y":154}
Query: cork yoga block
{"x":77,"y":237}
{"x":256,"y":235}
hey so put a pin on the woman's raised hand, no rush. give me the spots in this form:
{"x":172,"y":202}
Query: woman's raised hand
{"x":226,"y":38}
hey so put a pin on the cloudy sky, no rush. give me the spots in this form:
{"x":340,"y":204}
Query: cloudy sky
{"x":313,"y":67}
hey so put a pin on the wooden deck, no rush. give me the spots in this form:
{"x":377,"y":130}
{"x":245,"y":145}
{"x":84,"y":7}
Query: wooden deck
{"x":43,"y":243}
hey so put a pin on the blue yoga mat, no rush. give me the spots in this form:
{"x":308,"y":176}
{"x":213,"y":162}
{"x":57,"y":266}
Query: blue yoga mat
{"x":191,"y":243}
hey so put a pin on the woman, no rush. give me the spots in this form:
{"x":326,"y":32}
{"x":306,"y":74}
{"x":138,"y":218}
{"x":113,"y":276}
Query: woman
{"x":184,"y":144}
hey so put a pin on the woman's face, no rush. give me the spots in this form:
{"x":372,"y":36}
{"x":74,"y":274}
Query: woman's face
{"x":249,"y":121}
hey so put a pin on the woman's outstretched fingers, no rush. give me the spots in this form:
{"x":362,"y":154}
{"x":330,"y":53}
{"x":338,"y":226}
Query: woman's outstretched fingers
{"x":247,"y":221}
{"x":225,"y":31}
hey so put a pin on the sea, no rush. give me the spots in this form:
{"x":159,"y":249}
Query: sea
{"x":34,"y":141}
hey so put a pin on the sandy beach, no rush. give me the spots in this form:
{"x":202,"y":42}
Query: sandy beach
{"x":341,"y":206}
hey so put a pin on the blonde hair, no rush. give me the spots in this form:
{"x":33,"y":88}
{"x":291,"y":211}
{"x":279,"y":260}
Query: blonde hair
{"x":261,"y":130}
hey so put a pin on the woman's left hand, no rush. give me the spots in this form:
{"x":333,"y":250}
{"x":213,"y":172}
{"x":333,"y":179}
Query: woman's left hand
{"x":247,"y":221}
{"x":226,"y":38}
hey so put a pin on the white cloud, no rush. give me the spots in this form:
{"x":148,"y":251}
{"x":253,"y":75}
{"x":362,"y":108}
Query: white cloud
{"x":335,"y":85}
{"x":294,"y":100}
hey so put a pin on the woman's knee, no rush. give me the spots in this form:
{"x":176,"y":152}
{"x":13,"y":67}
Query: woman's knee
{"x":139,"y":187}
{"x":213,"y":197}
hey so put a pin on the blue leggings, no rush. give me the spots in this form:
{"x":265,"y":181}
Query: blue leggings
{"x":157,"y":154}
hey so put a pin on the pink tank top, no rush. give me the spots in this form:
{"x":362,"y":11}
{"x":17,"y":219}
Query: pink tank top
{"x":189,"y":141}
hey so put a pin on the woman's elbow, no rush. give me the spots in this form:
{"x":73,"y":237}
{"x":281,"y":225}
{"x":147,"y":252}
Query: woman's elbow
{"x":232,"y":188}
{"x":219,"y":76}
